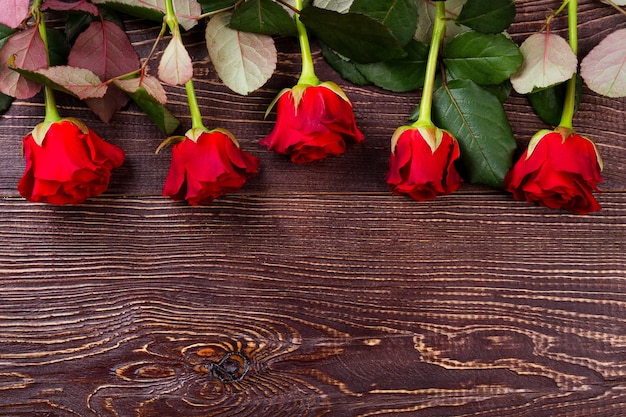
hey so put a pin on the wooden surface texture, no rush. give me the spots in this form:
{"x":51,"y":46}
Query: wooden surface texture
{"x":313,"y":291}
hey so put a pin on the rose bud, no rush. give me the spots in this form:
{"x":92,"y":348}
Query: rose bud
{"x":422,"y":162}
{"x":312,"y":122}
{"x":66,"y":163}
{"x":559,"y":169}
{"x":206,"y":165}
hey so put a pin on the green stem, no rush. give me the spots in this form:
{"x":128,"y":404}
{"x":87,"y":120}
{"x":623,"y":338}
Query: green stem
{"x":307,"y":76}
{"x":439,"y":30}
{"x":567,"y":116}
{"x":52,"y":113}
{"x":170,"y":17}
{"x":194,"y":108}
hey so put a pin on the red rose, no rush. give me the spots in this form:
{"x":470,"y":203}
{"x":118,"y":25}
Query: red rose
{"x":313,"y":122}
{"x":422,"y":162}
{"x":206,"y":165}
{"x":66,"y":163}
{"x":560,"y":169}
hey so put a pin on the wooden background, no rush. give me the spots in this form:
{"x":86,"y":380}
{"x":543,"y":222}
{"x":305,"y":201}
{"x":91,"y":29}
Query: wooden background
{"x":313,"y":291}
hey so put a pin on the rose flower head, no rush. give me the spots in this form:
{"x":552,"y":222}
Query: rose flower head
{"x":559,"y":169}
{"x":207,"y":164}
{"x":66,"y":163}
{"x":312,"y":122}
{"x":422,"y":162}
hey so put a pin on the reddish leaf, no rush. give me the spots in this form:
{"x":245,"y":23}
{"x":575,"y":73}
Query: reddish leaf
{"x":105,"y":49}
{"x":25,"y":50}
{"x":107,"y":106}
{"x":13,"y":12}
{"x":80,"y":5}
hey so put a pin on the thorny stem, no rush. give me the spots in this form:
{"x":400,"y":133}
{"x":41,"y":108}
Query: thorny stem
{"x":426,"y":103}
{"x":52,"y":113}
{"x":307,"y":76}
{"x":567,"y":116}
{"x":194,"y":109}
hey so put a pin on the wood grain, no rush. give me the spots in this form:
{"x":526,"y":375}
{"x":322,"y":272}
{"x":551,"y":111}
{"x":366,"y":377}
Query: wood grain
{"x":309,"y":305}
{"x":313,"y":291}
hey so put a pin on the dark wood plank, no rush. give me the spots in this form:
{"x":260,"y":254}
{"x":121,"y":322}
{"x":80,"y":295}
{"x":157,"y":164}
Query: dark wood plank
{"x":312,"y":305}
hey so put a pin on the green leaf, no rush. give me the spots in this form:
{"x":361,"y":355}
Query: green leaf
{"x":353,"y":35}
{"x":59,"y":49}
{"x":400,"y":16}
{"x":487,"y":16}
{"x":399,"y":75}
{"x":125,"y":6}
{"x":156,"y":111}
{"x":5,"y":34}
{"x":346,"y":68}
{"x":502,"y":91}
{"x":341,"y":6}
{"x":210,"y":6}
{"x":75,"y":23}
{"x":187,"y":11}
{"x":263,"y":16}
{"x":5,"y":102}
{"x":548,"y":103}
{"x":483,"y":58}
{"x":478,"y":121}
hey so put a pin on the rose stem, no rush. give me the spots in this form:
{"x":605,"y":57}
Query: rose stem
{"x":567,"y":116}
{"x":307,"y":76}
{"x":52,"y":113}
{"x":439,"y":29}
{"x":194,"y":108}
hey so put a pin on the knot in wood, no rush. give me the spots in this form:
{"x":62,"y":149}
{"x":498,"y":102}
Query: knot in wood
{"x":233,"y":367}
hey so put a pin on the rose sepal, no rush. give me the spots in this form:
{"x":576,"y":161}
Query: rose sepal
{"x":41,"y":130}
{"x":534,"y":141}
{"x":227,"y":133}
{"x":396,"y":136}
{"x":195,"y":132}
{"x":273,"y":103}
{"x":171,"y":140}
{"x":431,"y":134}
{"x":565,"y":133}
{"x":336,"y":89}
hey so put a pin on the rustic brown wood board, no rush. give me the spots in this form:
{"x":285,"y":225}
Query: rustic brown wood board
{"x":313,"y":291}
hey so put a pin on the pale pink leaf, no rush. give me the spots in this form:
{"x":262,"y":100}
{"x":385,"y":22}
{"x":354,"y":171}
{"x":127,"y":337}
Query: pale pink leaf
{"x":13,"y":12}
{"x":24,"y":50}
{"x":79,"y":81}
{"x":80,"y":5}
{"x":604,"y":68}
{"x":548,"y":60}
{"x":150,"y":84}
{"x":244,"y":61}
{"x":187,"y":11}
{"x":175,"y":66}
